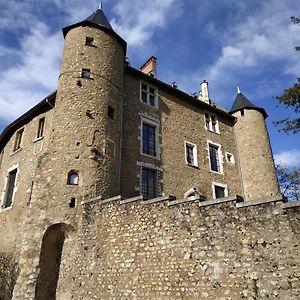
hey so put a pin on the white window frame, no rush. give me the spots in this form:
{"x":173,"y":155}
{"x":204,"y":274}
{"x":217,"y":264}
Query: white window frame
{"x":220,"y":185}
{"x":232,"y":160}
{"x":220,"y":156}
{"x":12,"y":168}
{"x":210,"y":123}
{"x":148,"y":93}
{"x":157,"y":144}
{"x":195,"y":158}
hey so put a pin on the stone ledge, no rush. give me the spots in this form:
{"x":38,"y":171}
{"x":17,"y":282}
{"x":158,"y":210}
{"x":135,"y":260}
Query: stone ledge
{"x":158,"y":199}
{"x":91,"y":200}
{"x":291,"y":204}
{"x":185,"y":200}
{"x":133,"y":199}
{"x":220,"y":200}
{"x":111,"y":199}
{"x":261,"y":201}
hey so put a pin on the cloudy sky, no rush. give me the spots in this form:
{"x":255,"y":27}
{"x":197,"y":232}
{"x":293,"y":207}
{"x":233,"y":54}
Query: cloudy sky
{"x":229,"y":43}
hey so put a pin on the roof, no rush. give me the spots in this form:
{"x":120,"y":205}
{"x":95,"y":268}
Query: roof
{"x":43,"y":106}
{"x":97,"y":20}
{"x":184,"y":96}
{"x":241,"y":102}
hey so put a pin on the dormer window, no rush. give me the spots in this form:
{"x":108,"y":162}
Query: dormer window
{"x":211,"y":123}
{"x":148,"y":94}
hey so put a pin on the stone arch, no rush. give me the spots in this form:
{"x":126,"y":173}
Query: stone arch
{"x":50,"y":258}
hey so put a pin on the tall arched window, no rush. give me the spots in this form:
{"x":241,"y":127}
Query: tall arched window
{"x":73,"y":178}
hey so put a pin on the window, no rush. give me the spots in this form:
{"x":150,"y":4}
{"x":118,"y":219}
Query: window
{"x":18,"y":140}
{"x":211,"y":123}
{"x":11,"y":182}
{"x":110,"y":112}
{"x":230,"y":158}
{"x":148,"y":94}
{"x":215,"y":158}
{"x":190,"y":154}
{"x":149,"y":139}
{"x":89,"y":41}
{"x":73,"y":178}
{"x":219,"y":190}
{"x":86,"y":73}
{"x":149,"y":183}
{"x":40,"y":131}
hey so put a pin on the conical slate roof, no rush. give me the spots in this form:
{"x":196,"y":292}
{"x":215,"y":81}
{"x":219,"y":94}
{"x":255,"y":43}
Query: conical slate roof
{"x":97,"y":20}
{"x":241,"y":102}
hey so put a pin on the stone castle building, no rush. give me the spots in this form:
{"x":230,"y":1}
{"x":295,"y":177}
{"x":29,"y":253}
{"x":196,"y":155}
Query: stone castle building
{"x":120,"y":186}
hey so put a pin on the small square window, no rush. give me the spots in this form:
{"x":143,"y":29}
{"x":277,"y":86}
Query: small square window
{"x":40,"y":131}
{"x":18,"y":140}
{"x":86,"y":73}
{"x":73,"y":178}
{"x":89,"y":41}
{"x":219,"y":190}
{"x":110,"y":112}
{"x":230,"y":158}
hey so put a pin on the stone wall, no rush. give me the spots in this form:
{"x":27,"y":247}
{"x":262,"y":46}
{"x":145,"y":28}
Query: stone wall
{"x":183,"y":250}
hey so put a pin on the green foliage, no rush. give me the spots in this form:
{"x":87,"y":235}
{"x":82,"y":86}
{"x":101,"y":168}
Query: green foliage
{"x":8,"y":275}
{"x":291,"y":99}
{"x":289,"y":181}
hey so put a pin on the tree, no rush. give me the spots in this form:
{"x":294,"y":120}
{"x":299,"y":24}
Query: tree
{"x":291,"y":99}
{"x":289,"y":181}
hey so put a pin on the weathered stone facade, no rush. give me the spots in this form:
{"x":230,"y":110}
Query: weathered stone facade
{"x":111,"y":232}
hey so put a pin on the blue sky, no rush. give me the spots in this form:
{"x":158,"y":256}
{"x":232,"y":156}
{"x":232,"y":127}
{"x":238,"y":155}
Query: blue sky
{"x":229,"y":43}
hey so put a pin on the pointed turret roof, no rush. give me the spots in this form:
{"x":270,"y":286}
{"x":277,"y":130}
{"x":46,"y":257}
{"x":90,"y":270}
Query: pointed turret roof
{"x":98,"y":20}
{"x":241,"y":102}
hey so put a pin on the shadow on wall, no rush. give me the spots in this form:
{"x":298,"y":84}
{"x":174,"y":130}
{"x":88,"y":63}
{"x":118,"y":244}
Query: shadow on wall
{"x":50,"y":258}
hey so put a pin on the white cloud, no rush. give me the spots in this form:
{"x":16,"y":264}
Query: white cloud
{"x":137,"y":20}
{"x":289,"y":158}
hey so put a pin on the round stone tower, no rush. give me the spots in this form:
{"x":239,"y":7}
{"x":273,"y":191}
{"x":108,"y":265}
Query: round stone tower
{"x":86,"y":126}
{"x":255,"y":154}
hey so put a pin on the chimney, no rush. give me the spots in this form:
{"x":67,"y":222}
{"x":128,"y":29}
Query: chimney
{"x":203,"y":95}
{"x":149,"y":67}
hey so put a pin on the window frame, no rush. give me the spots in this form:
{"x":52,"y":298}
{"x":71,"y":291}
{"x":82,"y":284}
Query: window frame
{"x":70,"y":174}
{"x":194,"y":149}
{"x":14,"y":168}
{"x":41,"y":128}
{"x":230,"y":161}
{"x":211,"y":123}
{"x":18,"y":139}
{"x":219,"y":157}
{"x":86,"y":71}
{"x":155,"y":125}
{"x":148,"y":94}
{"x":155,"y":181}
{"x":89,"y":41}
{"x":222,"y":185}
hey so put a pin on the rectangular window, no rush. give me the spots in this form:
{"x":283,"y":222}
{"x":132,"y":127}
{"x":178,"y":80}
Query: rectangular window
{"x":214,"y":158}
{"x":89,"y":41}
{"x":149,"y":139}
{"x":149,"y":183}
{"x":11,"y":181}
{"x":86,"y":73}
{"x":18,"y":140}
{"x":219,"y":190}
{"x":191,"y":154}
{"x":211,"y":123}
{"x":40,"y":131}
{"x":148,"y":94}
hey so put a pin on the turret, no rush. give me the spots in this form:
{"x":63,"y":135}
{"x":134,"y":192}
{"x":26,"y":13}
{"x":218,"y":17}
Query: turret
{"x":254,"y":149}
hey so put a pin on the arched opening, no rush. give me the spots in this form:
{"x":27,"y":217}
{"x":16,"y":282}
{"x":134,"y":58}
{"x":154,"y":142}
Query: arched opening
{"x":73,"y":178}
{"x":50,"y":258}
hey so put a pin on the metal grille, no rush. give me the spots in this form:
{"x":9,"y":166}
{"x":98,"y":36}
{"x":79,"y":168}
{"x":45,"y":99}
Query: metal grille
{"x":149,"y":183}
